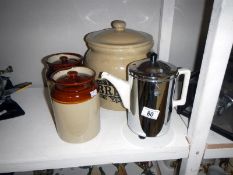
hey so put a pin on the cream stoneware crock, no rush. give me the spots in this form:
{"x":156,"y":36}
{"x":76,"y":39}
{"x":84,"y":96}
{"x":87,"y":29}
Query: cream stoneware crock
{"x":111,"y":50}
{"x":75,"y":102}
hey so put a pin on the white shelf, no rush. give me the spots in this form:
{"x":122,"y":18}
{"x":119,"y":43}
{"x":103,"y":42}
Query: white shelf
{"x":30,"y":142}
{"x":218,"y":146}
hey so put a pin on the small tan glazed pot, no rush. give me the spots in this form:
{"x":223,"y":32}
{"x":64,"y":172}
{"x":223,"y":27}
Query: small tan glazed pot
{"x":111,"y":50}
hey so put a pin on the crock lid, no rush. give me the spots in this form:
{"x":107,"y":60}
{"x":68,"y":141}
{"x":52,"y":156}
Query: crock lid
{"x":74,"y":76}
{"x":64,"y":59}
{"x":149,"y":69}
{"x":73,"y":85}
{"x":119,"y":36}
{"x":61,"y":61}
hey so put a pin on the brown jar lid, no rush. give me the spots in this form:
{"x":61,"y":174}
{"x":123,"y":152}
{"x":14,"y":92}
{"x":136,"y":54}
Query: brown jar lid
{"x":63,"y":60}
{"x":73,"y":85}
{"x":73,"y":78}
{"x":118,"y":36}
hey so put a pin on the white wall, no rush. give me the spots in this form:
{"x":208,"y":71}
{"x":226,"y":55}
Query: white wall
{"x":32,"y":29}
{"x":186,"y":32}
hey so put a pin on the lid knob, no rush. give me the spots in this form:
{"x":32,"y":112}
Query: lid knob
{"x":64,"y":59}
{"x":119,"y":25}
{"x":72,"y":74}
{"x":153,"y":58}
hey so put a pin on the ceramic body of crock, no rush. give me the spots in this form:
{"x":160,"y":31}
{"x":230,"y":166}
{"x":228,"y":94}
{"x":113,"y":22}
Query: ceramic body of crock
{"x":75,"y":105}
{"x":112,"y":50}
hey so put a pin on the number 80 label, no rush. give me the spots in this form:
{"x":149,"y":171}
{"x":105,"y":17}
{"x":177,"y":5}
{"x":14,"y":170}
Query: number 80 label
{"x":150,"y":113}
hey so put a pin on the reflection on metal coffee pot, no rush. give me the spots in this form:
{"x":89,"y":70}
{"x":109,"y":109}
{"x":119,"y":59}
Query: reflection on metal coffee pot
{"x":148,"y":94}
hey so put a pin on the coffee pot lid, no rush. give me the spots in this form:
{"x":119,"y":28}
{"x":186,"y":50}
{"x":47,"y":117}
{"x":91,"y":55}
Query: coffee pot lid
{"x":119,"y":36}
{"x":150,"y":69}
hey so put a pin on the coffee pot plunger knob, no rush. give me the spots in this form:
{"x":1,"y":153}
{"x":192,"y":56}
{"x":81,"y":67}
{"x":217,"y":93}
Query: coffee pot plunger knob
{"x":153,"y":57}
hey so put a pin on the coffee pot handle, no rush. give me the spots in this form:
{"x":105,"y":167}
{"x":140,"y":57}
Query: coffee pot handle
{"x":182,"y":99}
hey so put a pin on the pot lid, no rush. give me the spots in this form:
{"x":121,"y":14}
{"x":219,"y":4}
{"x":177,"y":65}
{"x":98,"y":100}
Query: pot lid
{"x":119,"y":36}
{"x":61,"y":61}
{"x":74,"y":76}
{"x":65,"y":60}
{"x":149,"y":69}
{"x":74,"y":85}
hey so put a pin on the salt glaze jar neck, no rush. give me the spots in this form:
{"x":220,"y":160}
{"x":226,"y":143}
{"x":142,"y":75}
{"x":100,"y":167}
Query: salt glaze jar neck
{"x":74,"y":85}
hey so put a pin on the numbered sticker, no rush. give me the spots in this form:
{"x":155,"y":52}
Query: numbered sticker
{"x":150,"y":113}
{"x":93,"y":93}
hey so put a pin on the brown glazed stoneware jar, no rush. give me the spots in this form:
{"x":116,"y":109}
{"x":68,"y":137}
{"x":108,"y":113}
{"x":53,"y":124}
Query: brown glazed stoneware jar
{"x":60,"y":61}
{"x":111,"y":50}
{"x":75,"y":102}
